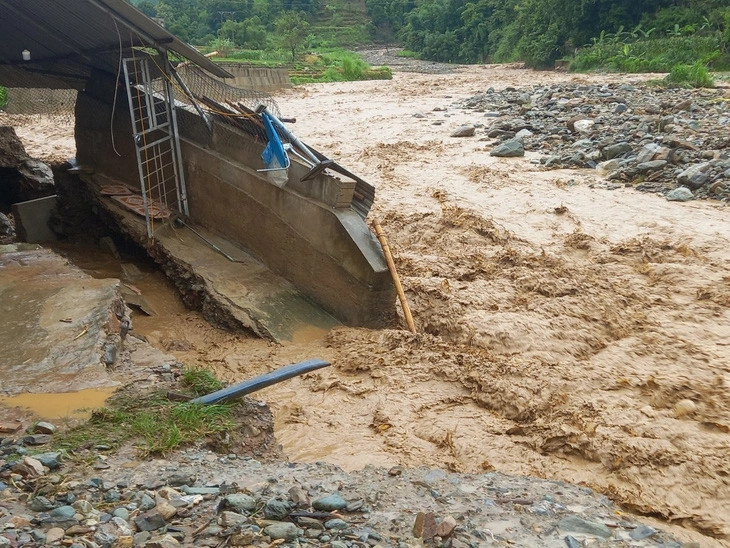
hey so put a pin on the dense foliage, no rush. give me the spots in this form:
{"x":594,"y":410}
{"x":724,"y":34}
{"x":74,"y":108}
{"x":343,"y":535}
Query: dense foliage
{"x":541,"y":31}
{"x":620,"y":34}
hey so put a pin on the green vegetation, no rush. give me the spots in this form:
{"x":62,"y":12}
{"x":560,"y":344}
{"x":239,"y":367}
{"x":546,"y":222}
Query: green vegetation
{"x":625,"y":35}
{"x":157,"y":424}
{"x":336,"y":65}
{"x":649,"y":55}
{"x":3,"y":97}
{"x":539,"y":32}
{"x":695,"y":76}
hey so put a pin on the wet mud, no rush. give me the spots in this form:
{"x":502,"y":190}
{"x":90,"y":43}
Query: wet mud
{"x":565,"y":331}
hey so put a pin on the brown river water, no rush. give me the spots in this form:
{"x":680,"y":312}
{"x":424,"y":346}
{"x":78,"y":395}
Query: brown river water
{"x":563,"y":329}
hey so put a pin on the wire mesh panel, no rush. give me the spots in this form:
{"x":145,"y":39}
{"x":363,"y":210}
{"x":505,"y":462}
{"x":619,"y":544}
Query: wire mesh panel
{"x":201,"y":84}
{"x":152,"y":110}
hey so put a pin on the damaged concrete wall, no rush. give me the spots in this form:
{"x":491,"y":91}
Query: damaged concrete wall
{"x":306,"y":232}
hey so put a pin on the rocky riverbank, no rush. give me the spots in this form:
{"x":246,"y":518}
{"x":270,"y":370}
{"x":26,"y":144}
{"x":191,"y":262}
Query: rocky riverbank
{"x":98,"y":498}
{"x":656,"y":139}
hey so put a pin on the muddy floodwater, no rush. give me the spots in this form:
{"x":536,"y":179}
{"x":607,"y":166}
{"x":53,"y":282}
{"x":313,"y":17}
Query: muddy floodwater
{"x":565,"y":331}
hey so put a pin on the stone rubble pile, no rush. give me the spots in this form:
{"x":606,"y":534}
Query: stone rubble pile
{"x":199,"y":498}
{"x":653,"y":138}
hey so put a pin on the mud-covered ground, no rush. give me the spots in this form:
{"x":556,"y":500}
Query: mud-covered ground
{"x":567,"y":331}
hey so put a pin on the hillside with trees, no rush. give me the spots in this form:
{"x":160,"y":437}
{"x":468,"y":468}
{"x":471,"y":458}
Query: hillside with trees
{"x":653,"y":35}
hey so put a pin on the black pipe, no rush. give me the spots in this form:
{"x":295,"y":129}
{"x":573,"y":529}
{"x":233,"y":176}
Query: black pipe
{"x":262,"y":381}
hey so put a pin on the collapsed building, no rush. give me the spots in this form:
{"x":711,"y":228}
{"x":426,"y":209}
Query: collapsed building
{"x":174,"y":157}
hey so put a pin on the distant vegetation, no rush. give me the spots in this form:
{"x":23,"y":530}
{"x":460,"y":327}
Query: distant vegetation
{"x":621,"y":35}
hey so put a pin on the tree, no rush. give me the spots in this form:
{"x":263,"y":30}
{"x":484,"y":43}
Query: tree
{"x":292,"y":30}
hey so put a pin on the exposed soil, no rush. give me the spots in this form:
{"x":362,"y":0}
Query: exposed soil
{"x":568,"y":331}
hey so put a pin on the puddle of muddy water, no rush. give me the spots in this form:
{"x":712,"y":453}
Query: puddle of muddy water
{"x":63,"y":405}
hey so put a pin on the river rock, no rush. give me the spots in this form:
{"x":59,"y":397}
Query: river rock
{"x":509,"y":149}
{"x":681,"y":194}
{"x":52,"y":459}
{"x":584,"y":126}
{"x":336,"y":523}
{"x":54,"y":534}
{"x":613,"y":151}
{"x":329,"y":503}
{"x":44,"y":427}
{"x":694,"y":176}
{"x":577,"y":524}
{"x":41,"y":504}
{"x":241,"y":503}
{"x":652,"y":165}
{"x":464,"y":131}
{"x":232,"y":519}
{"x":277,"y":509}
{"x":283,"y":530}
{"x":168,"y":541}
{"x":149,"y":521}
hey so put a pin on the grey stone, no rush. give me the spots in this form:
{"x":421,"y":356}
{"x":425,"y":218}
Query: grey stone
{"x":232,"y":519}
{"x":681,"y":194}
{"x":149,"y":521}
{"x":335,"y":524}
{"x":620,"y":108}
{"x":653,"y":165}
{"x":523,"y":133}
{"x":37,"y":439}
{"x":299,"y":497}
{"x":179,"y":479}
{"x":144,"y":501}
{"x":105,"y":539}
{"x":283,"y":530}
{"x":41,"y":504}
{"x":83,"y":507}
{"x":63,"y":513}
{"x":37,"y":175}
{"x":112,"y":496}
{"x":277,"y":509}
{"x":508,"y":149}
{"x":613,"y":151}
{"x":642,"y":532}
{"x":52,"y":459}
{"x":167,"y":541}
{"x":577,"y":524}
{"x":695,"y":176}
{"x":241,"y":503}
{"x":43,"y":427}
{"x":647,"y":153}
{"x":121,"y":513}
{"x":200,"y":490}
{"x":329,"y":503}
{"x":464,"y":131}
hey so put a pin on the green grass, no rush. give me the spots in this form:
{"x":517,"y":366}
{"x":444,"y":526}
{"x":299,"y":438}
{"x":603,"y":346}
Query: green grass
{"x":155,"y":423}
{"x":335,"y":65}
{"x":695,"y":75}
{"x":652,"y":55}
{"x":267,"y":58}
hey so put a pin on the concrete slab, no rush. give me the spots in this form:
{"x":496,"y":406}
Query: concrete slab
{"x":262,"y":301}
{"x":31,"y":219}
{"x":241,"y":293}
{"x":54,"y":323}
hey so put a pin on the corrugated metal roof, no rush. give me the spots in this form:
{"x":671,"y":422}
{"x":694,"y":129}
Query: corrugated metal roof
{"x":68,"y":38}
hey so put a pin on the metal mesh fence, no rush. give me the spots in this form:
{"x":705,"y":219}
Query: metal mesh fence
{"x":56,"y":103}
{"x":201,"y":84}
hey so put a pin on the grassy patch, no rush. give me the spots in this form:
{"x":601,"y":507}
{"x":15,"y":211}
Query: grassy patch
{"x":336,"y":65}
{"x":155,"y":423}
{"x":651,"y":55}
{"x":695,"y":75}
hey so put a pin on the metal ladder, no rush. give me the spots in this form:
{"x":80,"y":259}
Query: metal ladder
{"x":155,"y":132}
